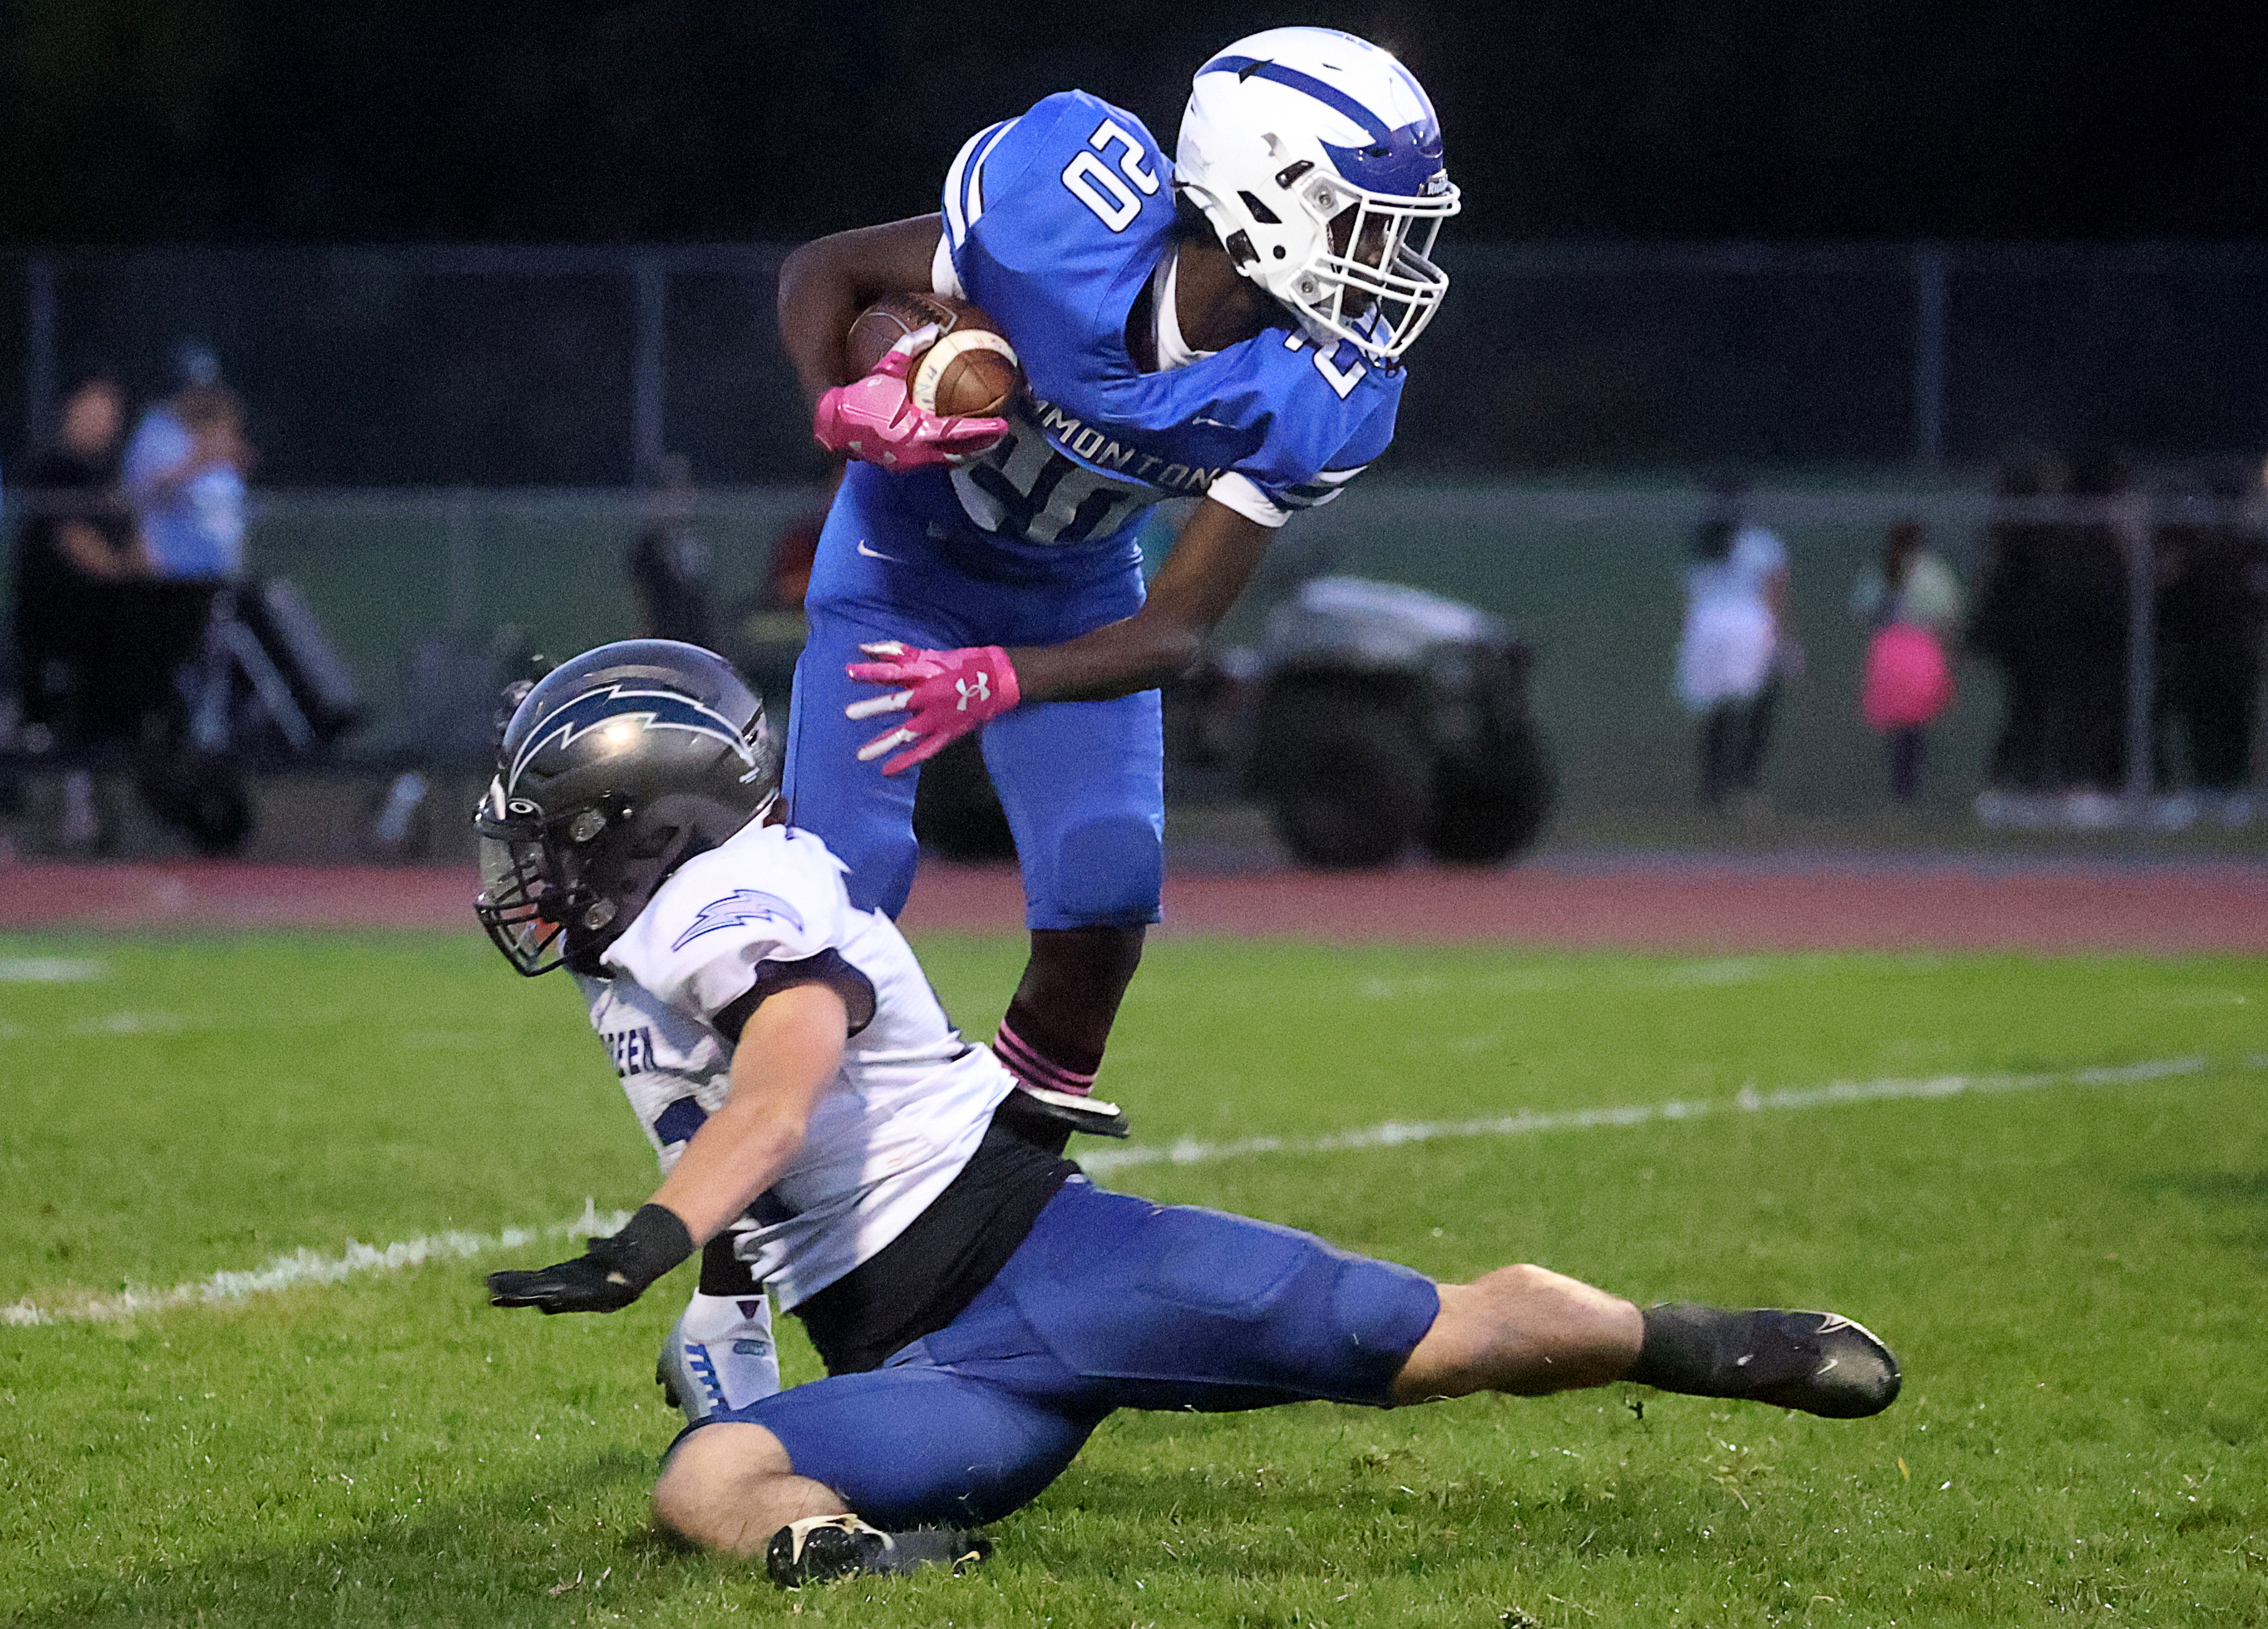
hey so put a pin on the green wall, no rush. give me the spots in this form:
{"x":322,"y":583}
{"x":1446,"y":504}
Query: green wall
{"x":1588,"y":574}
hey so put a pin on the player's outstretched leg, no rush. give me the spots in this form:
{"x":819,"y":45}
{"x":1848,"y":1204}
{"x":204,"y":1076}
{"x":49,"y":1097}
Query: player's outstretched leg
{"x":1528,"y":1330}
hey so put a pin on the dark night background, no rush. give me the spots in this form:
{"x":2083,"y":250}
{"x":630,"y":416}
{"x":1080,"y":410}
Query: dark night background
{"x":581,"y":121}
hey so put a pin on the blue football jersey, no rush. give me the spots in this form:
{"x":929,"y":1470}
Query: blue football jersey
{"x":1053,"y":222}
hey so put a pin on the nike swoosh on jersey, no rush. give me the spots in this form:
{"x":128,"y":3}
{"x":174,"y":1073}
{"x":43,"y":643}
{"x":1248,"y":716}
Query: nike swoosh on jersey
{"x":876,"y":554}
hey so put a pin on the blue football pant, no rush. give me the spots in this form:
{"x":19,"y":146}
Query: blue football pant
{"x":1082,"y":782}
{"x":1110,"y":1302}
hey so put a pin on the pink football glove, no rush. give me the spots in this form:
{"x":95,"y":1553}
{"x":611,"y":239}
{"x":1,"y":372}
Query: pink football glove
{"x":874,"y":418}
{"x":950,"y":693}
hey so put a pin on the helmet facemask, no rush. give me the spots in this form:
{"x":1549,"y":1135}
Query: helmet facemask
{"x":1370,"y":278}
{"x":557,"y":894}
{"x":534,"y":901}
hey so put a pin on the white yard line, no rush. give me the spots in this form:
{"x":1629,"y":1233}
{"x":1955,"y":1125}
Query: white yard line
{"x":307,"y":1267}
{"x":1395,"y":1134}
{"x":49,"y":970}
{"x":285,"y":1272}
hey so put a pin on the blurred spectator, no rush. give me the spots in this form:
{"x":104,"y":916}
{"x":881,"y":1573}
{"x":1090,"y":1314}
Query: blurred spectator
{"x":1732,"y":653}
{"x":2082,"y":619}
{"x":1908,"y":600}
{"x":669,"y":563}
{"x":2213,"y":592}
{"x":76,"y":532}
{"x":75,"y":538}
{"x":184,"y":470}
{"x":2005,"y":629}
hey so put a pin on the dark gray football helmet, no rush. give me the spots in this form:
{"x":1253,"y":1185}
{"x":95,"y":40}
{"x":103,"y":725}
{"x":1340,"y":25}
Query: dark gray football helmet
{"x":615,"y":769}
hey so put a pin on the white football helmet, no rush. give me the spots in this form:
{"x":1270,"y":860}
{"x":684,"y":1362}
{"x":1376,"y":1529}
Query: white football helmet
{"x":1317,"y":158}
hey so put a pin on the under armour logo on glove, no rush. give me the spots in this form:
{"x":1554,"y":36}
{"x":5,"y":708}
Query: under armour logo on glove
{"x":948,"y":694}
{"x":875,"y":419}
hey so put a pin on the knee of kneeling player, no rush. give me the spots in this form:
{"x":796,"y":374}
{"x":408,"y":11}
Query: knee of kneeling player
{"x":682,"y":1511}
{"x":730,"y":1486}
{"x":1104,"y":872}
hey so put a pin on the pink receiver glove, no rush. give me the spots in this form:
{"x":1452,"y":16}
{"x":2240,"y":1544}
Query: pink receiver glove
{"x":950,"y":693}
{"x":875,"y":420}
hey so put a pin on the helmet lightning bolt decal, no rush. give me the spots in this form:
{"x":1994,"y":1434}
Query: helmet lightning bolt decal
{"x":652,"y":709}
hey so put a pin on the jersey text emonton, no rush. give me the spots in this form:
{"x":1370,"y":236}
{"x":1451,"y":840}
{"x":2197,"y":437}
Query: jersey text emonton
{"x":1053,"y":223}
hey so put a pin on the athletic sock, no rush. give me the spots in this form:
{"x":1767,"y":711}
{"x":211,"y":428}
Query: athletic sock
{"x":727,"y":1318}
{"x":1704,"y":1352}
{"x":724,"y":1273}
{"x":1041,"y":1059}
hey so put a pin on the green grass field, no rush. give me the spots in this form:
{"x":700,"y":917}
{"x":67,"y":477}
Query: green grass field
{"x":2071,"y":1267}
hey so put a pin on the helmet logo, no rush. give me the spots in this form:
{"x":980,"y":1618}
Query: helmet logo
{"x":740,"y":907}
{"x":648,"y":709}
{"x":981,"y":691}
{"x":1317,"y":159}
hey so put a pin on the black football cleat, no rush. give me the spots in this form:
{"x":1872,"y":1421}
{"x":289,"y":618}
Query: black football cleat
{"x":1813,"y":1362}
{"x":819,"y":1548}
{"x":1836,"y":1369}
{"x":1036,"y":1110}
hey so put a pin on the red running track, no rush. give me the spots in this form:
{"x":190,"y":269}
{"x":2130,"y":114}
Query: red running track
{"x":1632,"y":902}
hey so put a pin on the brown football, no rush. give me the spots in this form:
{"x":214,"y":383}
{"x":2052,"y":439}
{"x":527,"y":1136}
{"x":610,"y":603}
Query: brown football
{"x":969,"y":371}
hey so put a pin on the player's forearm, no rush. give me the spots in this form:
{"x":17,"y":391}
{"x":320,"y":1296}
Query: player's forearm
{"x":1140,"y":653}
{"x":826,"y":284}
{"x":818,"y":302}
{"x":1211,"y":562}
{"x":789,"y":1050}
{"x":724,"y":1167}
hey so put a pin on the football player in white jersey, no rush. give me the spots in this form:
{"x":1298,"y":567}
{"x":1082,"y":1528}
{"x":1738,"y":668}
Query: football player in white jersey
{"x":980,"y":1305}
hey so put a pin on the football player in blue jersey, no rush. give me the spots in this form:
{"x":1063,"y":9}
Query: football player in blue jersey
{"x":1228,"y":328}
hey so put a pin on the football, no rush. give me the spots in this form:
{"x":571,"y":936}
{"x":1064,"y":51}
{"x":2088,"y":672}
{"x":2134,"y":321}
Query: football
{"x":969,"y":371}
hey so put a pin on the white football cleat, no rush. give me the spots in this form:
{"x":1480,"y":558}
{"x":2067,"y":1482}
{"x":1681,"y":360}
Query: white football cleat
{"x":719,"y":1355}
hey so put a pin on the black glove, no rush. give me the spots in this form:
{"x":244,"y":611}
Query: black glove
{"x":611,"y":1274}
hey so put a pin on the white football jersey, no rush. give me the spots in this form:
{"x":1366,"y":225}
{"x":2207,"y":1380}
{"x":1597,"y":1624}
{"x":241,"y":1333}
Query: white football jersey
{"x":903,"y":1116}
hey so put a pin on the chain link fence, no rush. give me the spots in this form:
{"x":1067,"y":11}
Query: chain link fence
{"x":451,"y":442}
{"x":580,"y":368}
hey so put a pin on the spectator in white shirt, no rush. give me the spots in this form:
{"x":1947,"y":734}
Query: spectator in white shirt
{"x":1730,"y":656}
